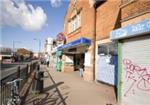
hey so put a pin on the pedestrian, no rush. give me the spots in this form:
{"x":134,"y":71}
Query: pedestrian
{"x":47,"y":62}
{"x":81,"y":69}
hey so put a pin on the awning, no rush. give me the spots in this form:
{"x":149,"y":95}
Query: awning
{"x":79,"y":42}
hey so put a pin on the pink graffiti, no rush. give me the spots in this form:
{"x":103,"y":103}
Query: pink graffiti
{"x":138,"y":76}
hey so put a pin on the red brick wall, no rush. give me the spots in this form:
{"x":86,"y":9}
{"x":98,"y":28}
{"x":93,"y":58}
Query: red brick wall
{"x":106,"y":18}
{"x":135,"y":8}
{"x":86,"y":20}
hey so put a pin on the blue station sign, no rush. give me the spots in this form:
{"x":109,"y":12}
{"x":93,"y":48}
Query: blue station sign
{"x":81,"y":41}
{"x":136,"y":29}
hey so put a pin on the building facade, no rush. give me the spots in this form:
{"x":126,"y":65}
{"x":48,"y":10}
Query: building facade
{"x":107,"y":19}
{"x":48,"y":48}
{"x":79,"y":31}
{"x":112,"y":39}
{"x":133,"y":52}
{"x":93,"y":21}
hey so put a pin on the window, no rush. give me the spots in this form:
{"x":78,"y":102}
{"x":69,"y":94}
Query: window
{"x":74,"y":23}
{"x":68,"y":27}
{"x":108,"y":49}
{"x":75,"y":1}
{"x":71,"y":25}
{"x":79,"y":19}
{"x":102,"y":50}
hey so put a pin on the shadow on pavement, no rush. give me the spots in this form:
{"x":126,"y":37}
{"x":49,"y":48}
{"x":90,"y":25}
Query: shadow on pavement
{"x":52,"y":86}
{"x":51,"y":95}
{"x":45,"y":99}
{"x":57,"y":90}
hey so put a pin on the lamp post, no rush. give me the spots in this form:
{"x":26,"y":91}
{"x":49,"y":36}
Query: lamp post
{"x":14,"y":42}
{"x":39,"y":44}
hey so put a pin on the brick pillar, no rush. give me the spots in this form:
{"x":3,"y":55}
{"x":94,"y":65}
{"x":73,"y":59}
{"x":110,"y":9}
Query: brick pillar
{"x":89,"y":73}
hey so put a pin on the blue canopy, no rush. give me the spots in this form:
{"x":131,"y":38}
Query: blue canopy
{"x":81,"y":41}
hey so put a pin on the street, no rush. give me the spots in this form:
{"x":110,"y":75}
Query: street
{"x":7,"y":69}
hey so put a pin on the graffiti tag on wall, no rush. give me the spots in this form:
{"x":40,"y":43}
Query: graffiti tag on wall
{"x":138,"y":76}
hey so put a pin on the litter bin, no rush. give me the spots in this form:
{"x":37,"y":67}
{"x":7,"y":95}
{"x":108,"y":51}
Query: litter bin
{"x":38,"y":82}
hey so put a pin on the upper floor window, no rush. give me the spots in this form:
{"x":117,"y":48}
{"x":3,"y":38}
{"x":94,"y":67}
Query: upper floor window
{"x":75,"y":22}
{"x":74,"y":1}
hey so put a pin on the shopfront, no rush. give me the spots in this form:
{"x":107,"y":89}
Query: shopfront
{"x":134,"y":63}
{"x":106,"y":63}
{"x":74,"y":53}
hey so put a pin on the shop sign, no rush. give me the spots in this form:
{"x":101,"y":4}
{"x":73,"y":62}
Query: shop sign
{"x":131,"y":30}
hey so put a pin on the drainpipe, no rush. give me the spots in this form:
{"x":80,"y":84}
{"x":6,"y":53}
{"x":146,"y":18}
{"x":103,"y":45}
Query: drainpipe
{"x":94,"y":38}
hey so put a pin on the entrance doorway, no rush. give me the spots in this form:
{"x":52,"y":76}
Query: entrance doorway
{"x":77,"y":59}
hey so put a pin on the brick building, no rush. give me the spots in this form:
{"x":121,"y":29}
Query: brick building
{"x":107,"y":19}
{"x":79,"y":31}
{"x":89,"y":21}
{"x":133,"y":40}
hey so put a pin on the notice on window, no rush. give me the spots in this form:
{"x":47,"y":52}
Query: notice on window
{"x":69,"y":60}
{"x":87,"y":59}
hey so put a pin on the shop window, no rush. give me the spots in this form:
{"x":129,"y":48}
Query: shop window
{"x":102,"y":49}
{"x":112,"y":49}
{"x":107,"y":49}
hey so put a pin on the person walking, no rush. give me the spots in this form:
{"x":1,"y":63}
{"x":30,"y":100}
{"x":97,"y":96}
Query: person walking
{"x":47,"y":62}
{"x":81,"y":69}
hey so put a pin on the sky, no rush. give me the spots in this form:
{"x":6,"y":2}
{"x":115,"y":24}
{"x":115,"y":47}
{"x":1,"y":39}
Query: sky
{"x":22,"y":21}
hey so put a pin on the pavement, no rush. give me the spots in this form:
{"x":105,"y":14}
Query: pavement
{"x":70,"y":89}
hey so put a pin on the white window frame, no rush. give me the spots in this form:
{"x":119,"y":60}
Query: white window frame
{"x":69,"y":28}
{"x":75,"y":1}
{"x":74,"y":23}
{"x":79,"y":19}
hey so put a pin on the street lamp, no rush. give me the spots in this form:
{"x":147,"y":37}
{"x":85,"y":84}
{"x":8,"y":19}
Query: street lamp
{"x":39,"y":43}
{"x":14,"y":42}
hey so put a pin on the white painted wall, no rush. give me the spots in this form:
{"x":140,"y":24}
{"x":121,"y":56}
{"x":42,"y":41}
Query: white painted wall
{"x":69,"y":59}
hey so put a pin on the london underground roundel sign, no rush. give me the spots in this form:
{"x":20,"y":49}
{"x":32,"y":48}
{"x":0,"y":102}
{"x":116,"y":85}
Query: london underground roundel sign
{"x":60,"y":37}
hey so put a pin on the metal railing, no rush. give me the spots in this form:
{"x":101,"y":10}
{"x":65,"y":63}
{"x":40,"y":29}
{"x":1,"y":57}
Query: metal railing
{"x":21,"y":71}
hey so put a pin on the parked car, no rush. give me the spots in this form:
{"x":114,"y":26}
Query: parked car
{"x":7,"y":59}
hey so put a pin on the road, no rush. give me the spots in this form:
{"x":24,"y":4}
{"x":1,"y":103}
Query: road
{"x":8,"y":69}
